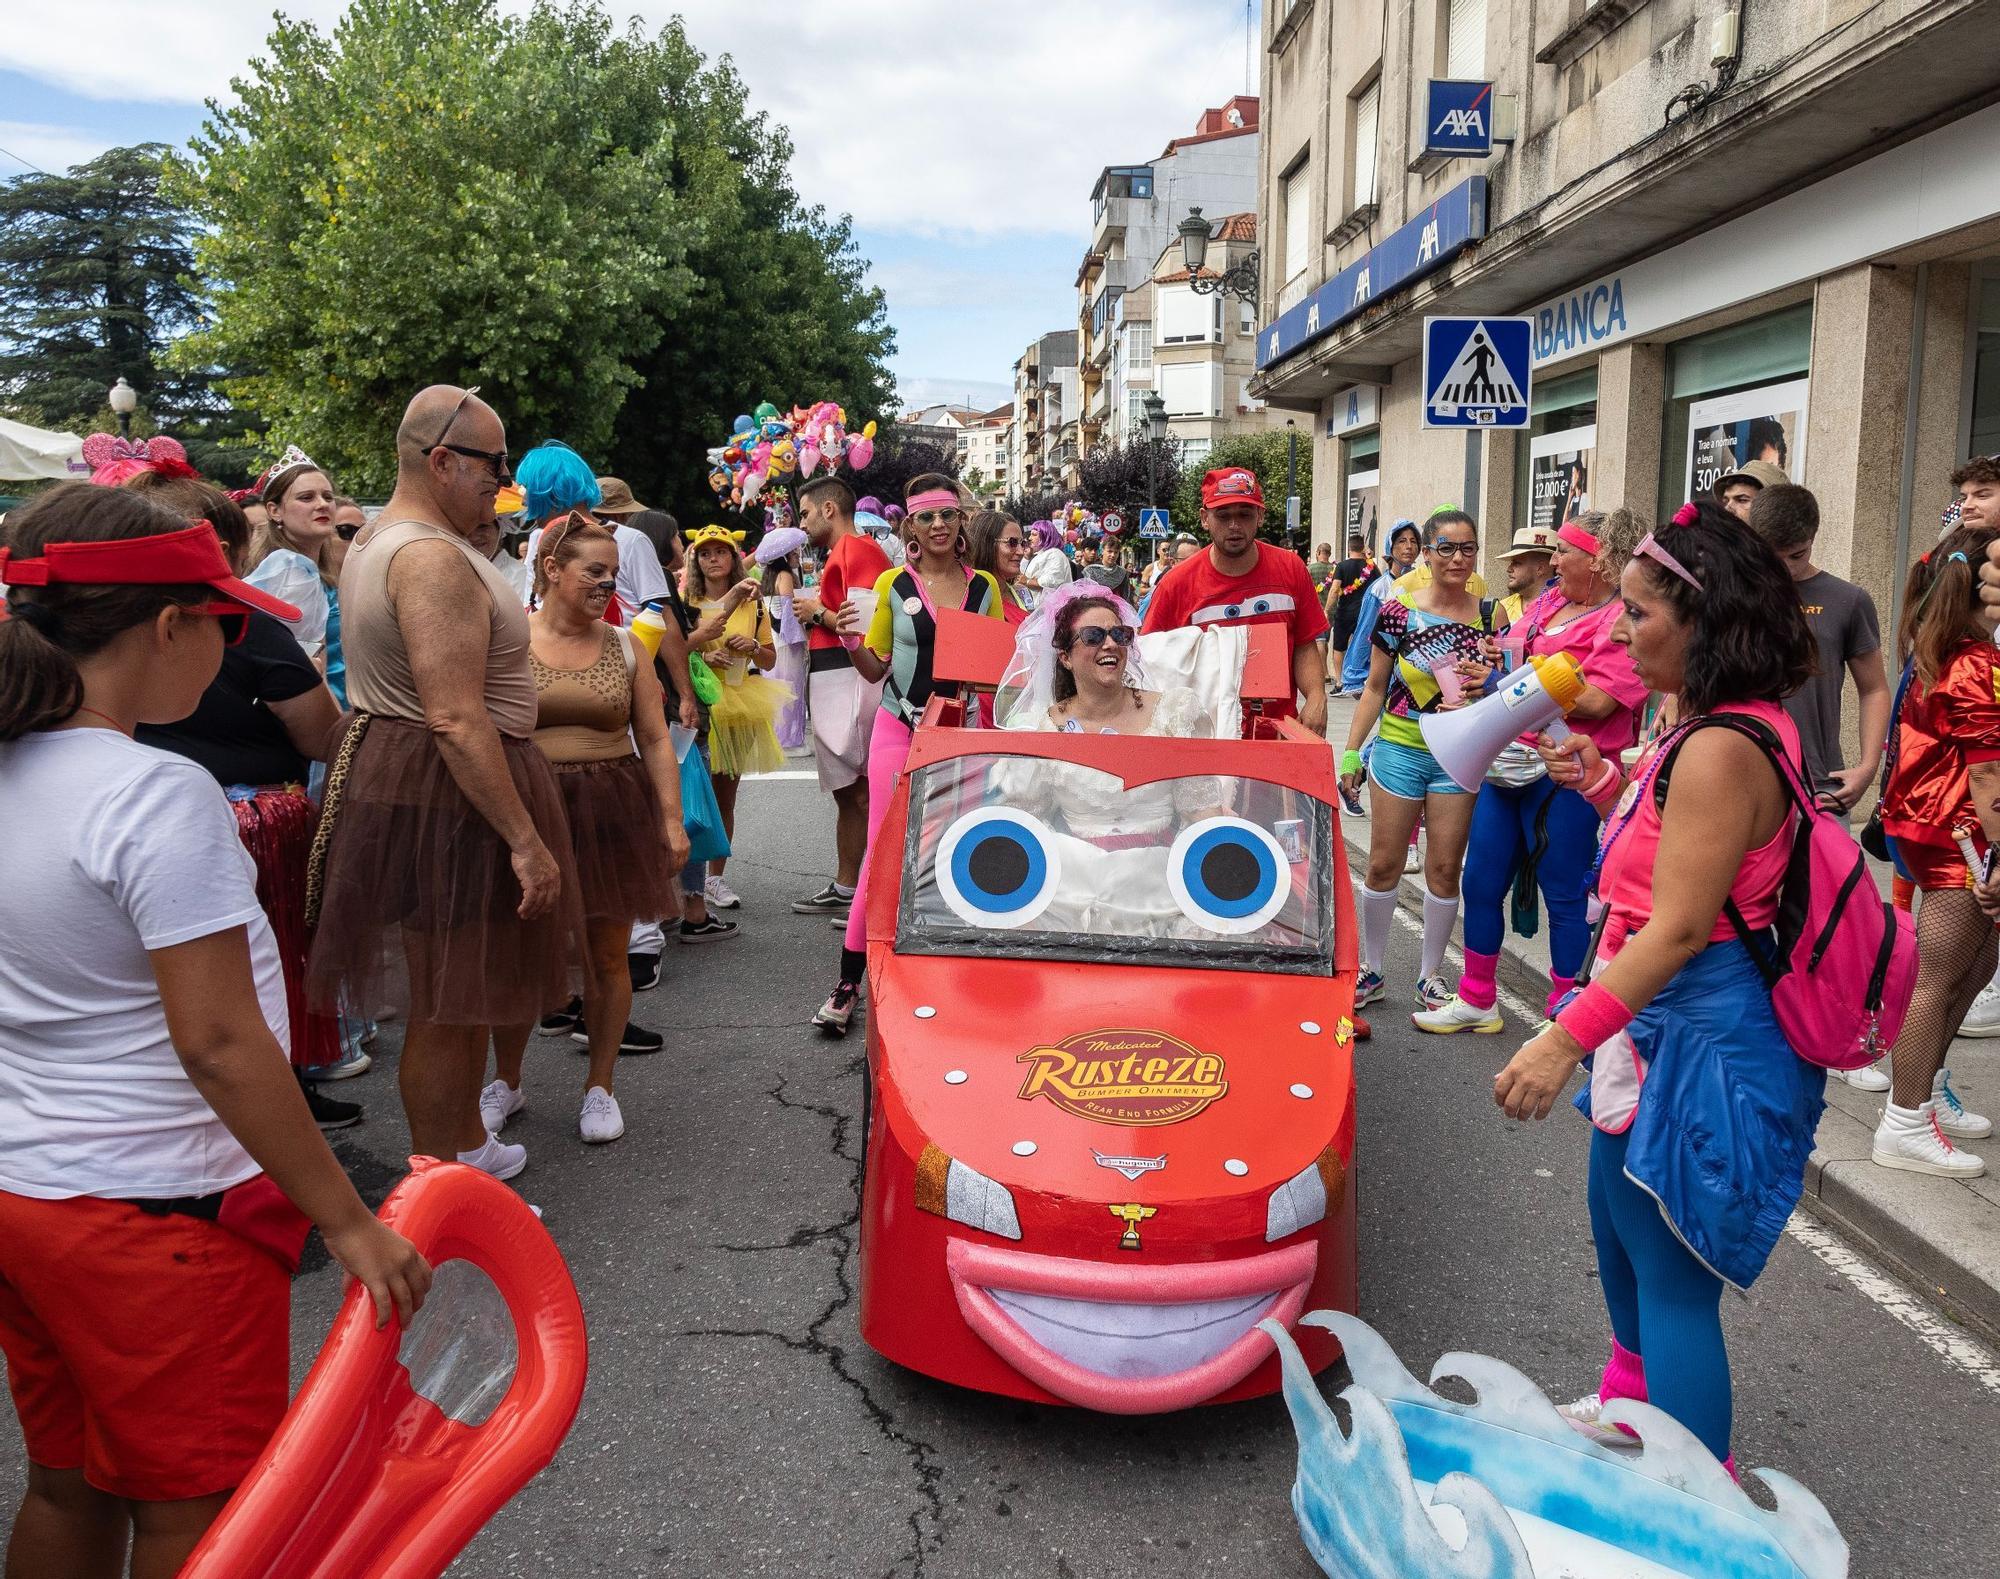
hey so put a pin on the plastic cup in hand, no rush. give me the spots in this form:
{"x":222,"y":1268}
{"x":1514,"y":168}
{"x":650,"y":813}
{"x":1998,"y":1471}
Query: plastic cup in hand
{"x":1451,"y":684}
{"x":863,"y":604}
{"x":1513,"y":648}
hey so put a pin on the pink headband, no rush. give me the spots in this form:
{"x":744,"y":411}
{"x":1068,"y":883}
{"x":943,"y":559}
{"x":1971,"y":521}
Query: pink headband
{"x":1649,"y":548}
{"x":934,"y":499}
{"x":1577,"y":537}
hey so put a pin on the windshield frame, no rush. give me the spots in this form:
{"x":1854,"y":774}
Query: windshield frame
{"x":959,"y":939}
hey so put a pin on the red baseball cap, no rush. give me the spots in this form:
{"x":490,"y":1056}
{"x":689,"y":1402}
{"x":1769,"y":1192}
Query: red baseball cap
{"x":1231,"y":485}
{"x":191,"y":556}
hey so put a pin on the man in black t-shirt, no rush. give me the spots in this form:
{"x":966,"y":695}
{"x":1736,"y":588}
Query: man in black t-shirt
{"x":265,"y":717}
{"x":1344,"y":591}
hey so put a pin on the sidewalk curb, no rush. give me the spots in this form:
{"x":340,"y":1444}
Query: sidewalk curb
{"x":1851,"y":1195}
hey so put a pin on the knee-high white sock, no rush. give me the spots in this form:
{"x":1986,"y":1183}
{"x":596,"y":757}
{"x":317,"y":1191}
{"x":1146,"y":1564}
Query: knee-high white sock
{"x":1439,"y":914}
{"x":1377,"y":911}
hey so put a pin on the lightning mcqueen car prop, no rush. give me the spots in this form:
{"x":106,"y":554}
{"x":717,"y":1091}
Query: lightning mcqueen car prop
{"x":1110,"y":1105}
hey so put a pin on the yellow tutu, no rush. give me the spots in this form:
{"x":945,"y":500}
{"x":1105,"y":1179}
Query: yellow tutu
{"x":742,"y":732}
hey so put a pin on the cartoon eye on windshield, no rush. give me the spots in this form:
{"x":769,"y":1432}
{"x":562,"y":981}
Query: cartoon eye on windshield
{"x":997,"y":867}
{"x":1228,"y":875}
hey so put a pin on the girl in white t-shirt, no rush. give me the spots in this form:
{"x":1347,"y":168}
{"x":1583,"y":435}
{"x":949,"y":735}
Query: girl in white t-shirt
{"x":158,"y":1165}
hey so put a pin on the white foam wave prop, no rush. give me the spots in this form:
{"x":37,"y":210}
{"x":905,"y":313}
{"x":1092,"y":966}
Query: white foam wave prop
{"x":1423,"y":1487}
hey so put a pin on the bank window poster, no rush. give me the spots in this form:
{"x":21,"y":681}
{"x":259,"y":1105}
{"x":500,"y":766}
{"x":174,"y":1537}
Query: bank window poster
{"x":1768,"y":424}
{"x":1559,"y":476}
{"x":1363,"y":508}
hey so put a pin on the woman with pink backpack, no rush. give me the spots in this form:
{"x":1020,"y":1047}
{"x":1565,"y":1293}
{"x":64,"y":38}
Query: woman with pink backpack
{"x":1703,"y":1110}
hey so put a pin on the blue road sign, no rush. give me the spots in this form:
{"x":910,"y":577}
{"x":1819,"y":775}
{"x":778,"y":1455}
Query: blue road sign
{"x":1153,"y":523}
{"x":1458,"y":120}
{"x":1476,"y":372}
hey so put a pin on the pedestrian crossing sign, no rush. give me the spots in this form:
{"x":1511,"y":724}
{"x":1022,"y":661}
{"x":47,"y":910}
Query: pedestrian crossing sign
{"x":1476,"y":372}
{"x":1153,"y":523}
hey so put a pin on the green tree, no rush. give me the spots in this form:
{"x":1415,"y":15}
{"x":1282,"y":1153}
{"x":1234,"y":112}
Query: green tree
{"x":780,"y":308}
{"x":434,"y":192}
{"x":95,"y":269}
{"x":1265,"y":454}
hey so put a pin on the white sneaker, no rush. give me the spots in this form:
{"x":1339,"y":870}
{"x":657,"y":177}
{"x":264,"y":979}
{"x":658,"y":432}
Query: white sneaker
{"x":497,"y":1158}
{"x":498,"y":1103}
{"x":1458,"y":1015}
{"x":1910,"y":1139}
{"x":1413,"y":860}
{"x":600,"y":1120}
{"x":720,"y":894}
{"x":1870,"y":1077}
{"x":1585,"y":1417}
{"x":1953,"y":1116}
{"x":1983,"y":1018}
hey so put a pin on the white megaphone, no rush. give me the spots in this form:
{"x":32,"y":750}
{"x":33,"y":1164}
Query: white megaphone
{"x":1534,"y":697}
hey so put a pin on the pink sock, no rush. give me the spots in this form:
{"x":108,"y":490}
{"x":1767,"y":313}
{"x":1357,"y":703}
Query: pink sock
{"x":1475,"y":982}
{"x":1558,"y":985}
{"x":1624,"y":1375}
{"x":1729,"y":1464}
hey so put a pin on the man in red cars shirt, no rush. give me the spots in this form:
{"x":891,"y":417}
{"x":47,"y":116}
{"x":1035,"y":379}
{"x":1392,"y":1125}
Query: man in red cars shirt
{"x":1241,"y":581}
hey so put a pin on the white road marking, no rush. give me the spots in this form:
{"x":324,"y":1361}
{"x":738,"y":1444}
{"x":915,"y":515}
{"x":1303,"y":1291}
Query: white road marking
{"x":1508,"y":1000}
{"x":1953,"y":1346}
{"x":785,"y":773}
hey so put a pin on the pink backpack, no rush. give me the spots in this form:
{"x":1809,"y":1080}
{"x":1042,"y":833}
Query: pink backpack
{"x":1846,"y":960}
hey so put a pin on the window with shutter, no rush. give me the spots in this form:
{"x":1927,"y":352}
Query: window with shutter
{"x":1180,"y":316}
{"x":1298,"y":214}
{"x":1465,"y":40}
{"x":1185,"y":387}
{"x":1367,"y":125}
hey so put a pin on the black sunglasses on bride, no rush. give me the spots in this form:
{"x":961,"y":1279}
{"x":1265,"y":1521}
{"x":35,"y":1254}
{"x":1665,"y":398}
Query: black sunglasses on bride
{"x":1095,"y":636}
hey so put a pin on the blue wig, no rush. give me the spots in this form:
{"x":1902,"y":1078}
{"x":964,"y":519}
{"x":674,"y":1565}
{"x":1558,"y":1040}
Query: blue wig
{"x":554,"y":478}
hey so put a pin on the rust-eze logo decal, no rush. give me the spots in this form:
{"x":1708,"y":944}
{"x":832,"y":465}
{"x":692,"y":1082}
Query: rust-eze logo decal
{"x":1124,"y":1077}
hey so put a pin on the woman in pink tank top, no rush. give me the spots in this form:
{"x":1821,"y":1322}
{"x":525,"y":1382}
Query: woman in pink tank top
{"x":1703,"y":1115}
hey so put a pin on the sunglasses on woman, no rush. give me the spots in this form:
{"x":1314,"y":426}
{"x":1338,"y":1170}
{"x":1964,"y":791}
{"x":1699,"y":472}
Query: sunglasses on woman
{"x":346,"y":530}
{"x":234,"y":619}
{"x":1095,"y":636}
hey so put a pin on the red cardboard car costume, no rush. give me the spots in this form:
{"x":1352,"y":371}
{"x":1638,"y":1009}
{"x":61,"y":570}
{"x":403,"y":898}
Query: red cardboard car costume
{"x":1110,"y":1111}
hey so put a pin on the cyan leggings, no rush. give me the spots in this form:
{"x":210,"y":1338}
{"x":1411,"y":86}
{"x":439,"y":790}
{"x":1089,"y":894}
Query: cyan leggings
{"x":1665,"y":1305}
{"x":1503,"y":834}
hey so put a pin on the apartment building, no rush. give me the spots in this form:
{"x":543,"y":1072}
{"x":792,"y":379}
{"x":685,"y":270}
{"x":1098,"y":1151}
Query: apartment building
{"x":983,"y":452}
{"x":1771,"y":229}
{"x":1136,"y":210}
{"x":1044,"y":386}
{"x":1197,"y":349}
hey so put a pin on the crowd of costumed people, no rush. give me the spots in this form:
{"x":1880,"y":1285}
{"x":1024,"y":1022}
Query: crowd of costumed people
{"x":467,"y":762}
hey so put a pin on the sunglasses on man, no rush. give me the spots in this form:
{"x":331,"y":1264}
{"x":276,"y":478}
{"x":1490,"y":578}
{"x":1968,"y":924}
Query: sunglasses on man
{"x":497,"y":459}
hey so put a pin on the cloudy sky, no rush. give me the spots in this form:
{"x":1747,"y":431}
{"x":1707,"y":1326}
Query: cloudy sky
{"x":963,"y":135}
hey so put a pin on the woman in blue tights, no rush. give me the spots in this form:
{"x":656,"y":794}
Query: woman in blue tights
{"x":1526,"y":828}
{"x":1703,"y":1115}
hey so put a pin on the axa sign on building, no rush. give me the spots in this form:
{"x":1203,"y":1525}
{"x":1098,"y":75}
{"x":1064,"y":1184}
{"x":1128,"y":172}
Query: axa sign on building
{"x":1432,"y":238}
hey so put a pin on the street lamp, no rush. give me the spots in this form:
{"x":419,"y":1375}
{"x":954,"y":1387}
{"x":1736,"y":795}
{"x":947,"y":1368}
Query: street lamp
{"x":124,"y":401}
{"x":1156,"y":429}
{"x":1239,"y":280}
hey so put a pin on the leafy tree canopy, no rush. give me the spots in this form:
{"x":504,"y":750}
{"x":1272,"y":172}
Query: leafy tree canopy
{"x":96,"y":273}
{"x":589,"y":223}
{"x":1122,"y":477}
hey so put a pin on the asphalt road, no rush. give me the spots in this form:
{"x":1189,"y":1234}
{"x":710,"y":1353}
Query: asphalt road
{"x":735,"y":1425}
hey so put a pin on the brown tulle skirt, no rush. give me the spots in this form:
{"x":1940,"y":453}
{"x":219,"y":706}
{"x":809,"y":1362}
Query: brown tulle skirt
{"x":614,"y":828}
{"x":418,"y":903}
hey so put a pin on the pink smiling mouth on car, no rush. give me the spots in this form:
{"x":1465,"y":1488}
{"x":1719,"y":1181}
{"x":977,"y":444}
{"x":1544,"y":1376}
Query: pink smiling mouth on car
{"x":1128,"y":1340}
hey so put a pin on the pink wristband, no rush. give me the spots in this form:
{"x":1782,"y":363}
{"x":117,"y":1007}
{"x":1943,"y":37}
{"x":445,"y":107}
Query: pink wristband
{"x":1594,"y":1016}
{"x":1610,"y":783}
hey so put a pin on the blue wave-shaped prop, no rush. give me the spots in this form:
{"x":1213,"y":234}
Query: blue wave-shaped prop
{"x":1513,"y":1491}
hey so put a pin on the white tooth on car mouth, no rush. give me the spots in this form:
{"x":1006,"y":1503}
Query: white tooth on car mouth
{"x":1133,"y":1340}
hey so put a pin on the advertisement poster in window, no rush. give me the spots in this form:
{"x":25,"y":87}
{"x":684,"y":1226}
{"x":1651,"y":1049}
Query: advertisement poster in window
{"x":1724,"y":432}
{"x":1363,"y":498}
{"x":1559,"y":468}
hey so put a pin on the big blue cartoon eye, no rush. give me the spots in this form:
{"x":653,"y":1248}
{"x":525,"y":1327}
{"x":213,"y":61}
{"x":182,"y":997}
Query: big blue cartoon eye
{"x":997,"y":867}
{"x":1228,"y":875}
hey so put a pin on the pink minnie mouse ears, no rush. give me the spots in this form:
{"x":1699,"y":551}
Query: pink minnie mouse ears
{"x":1687,"y":515}
{"x":112,"y":459}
